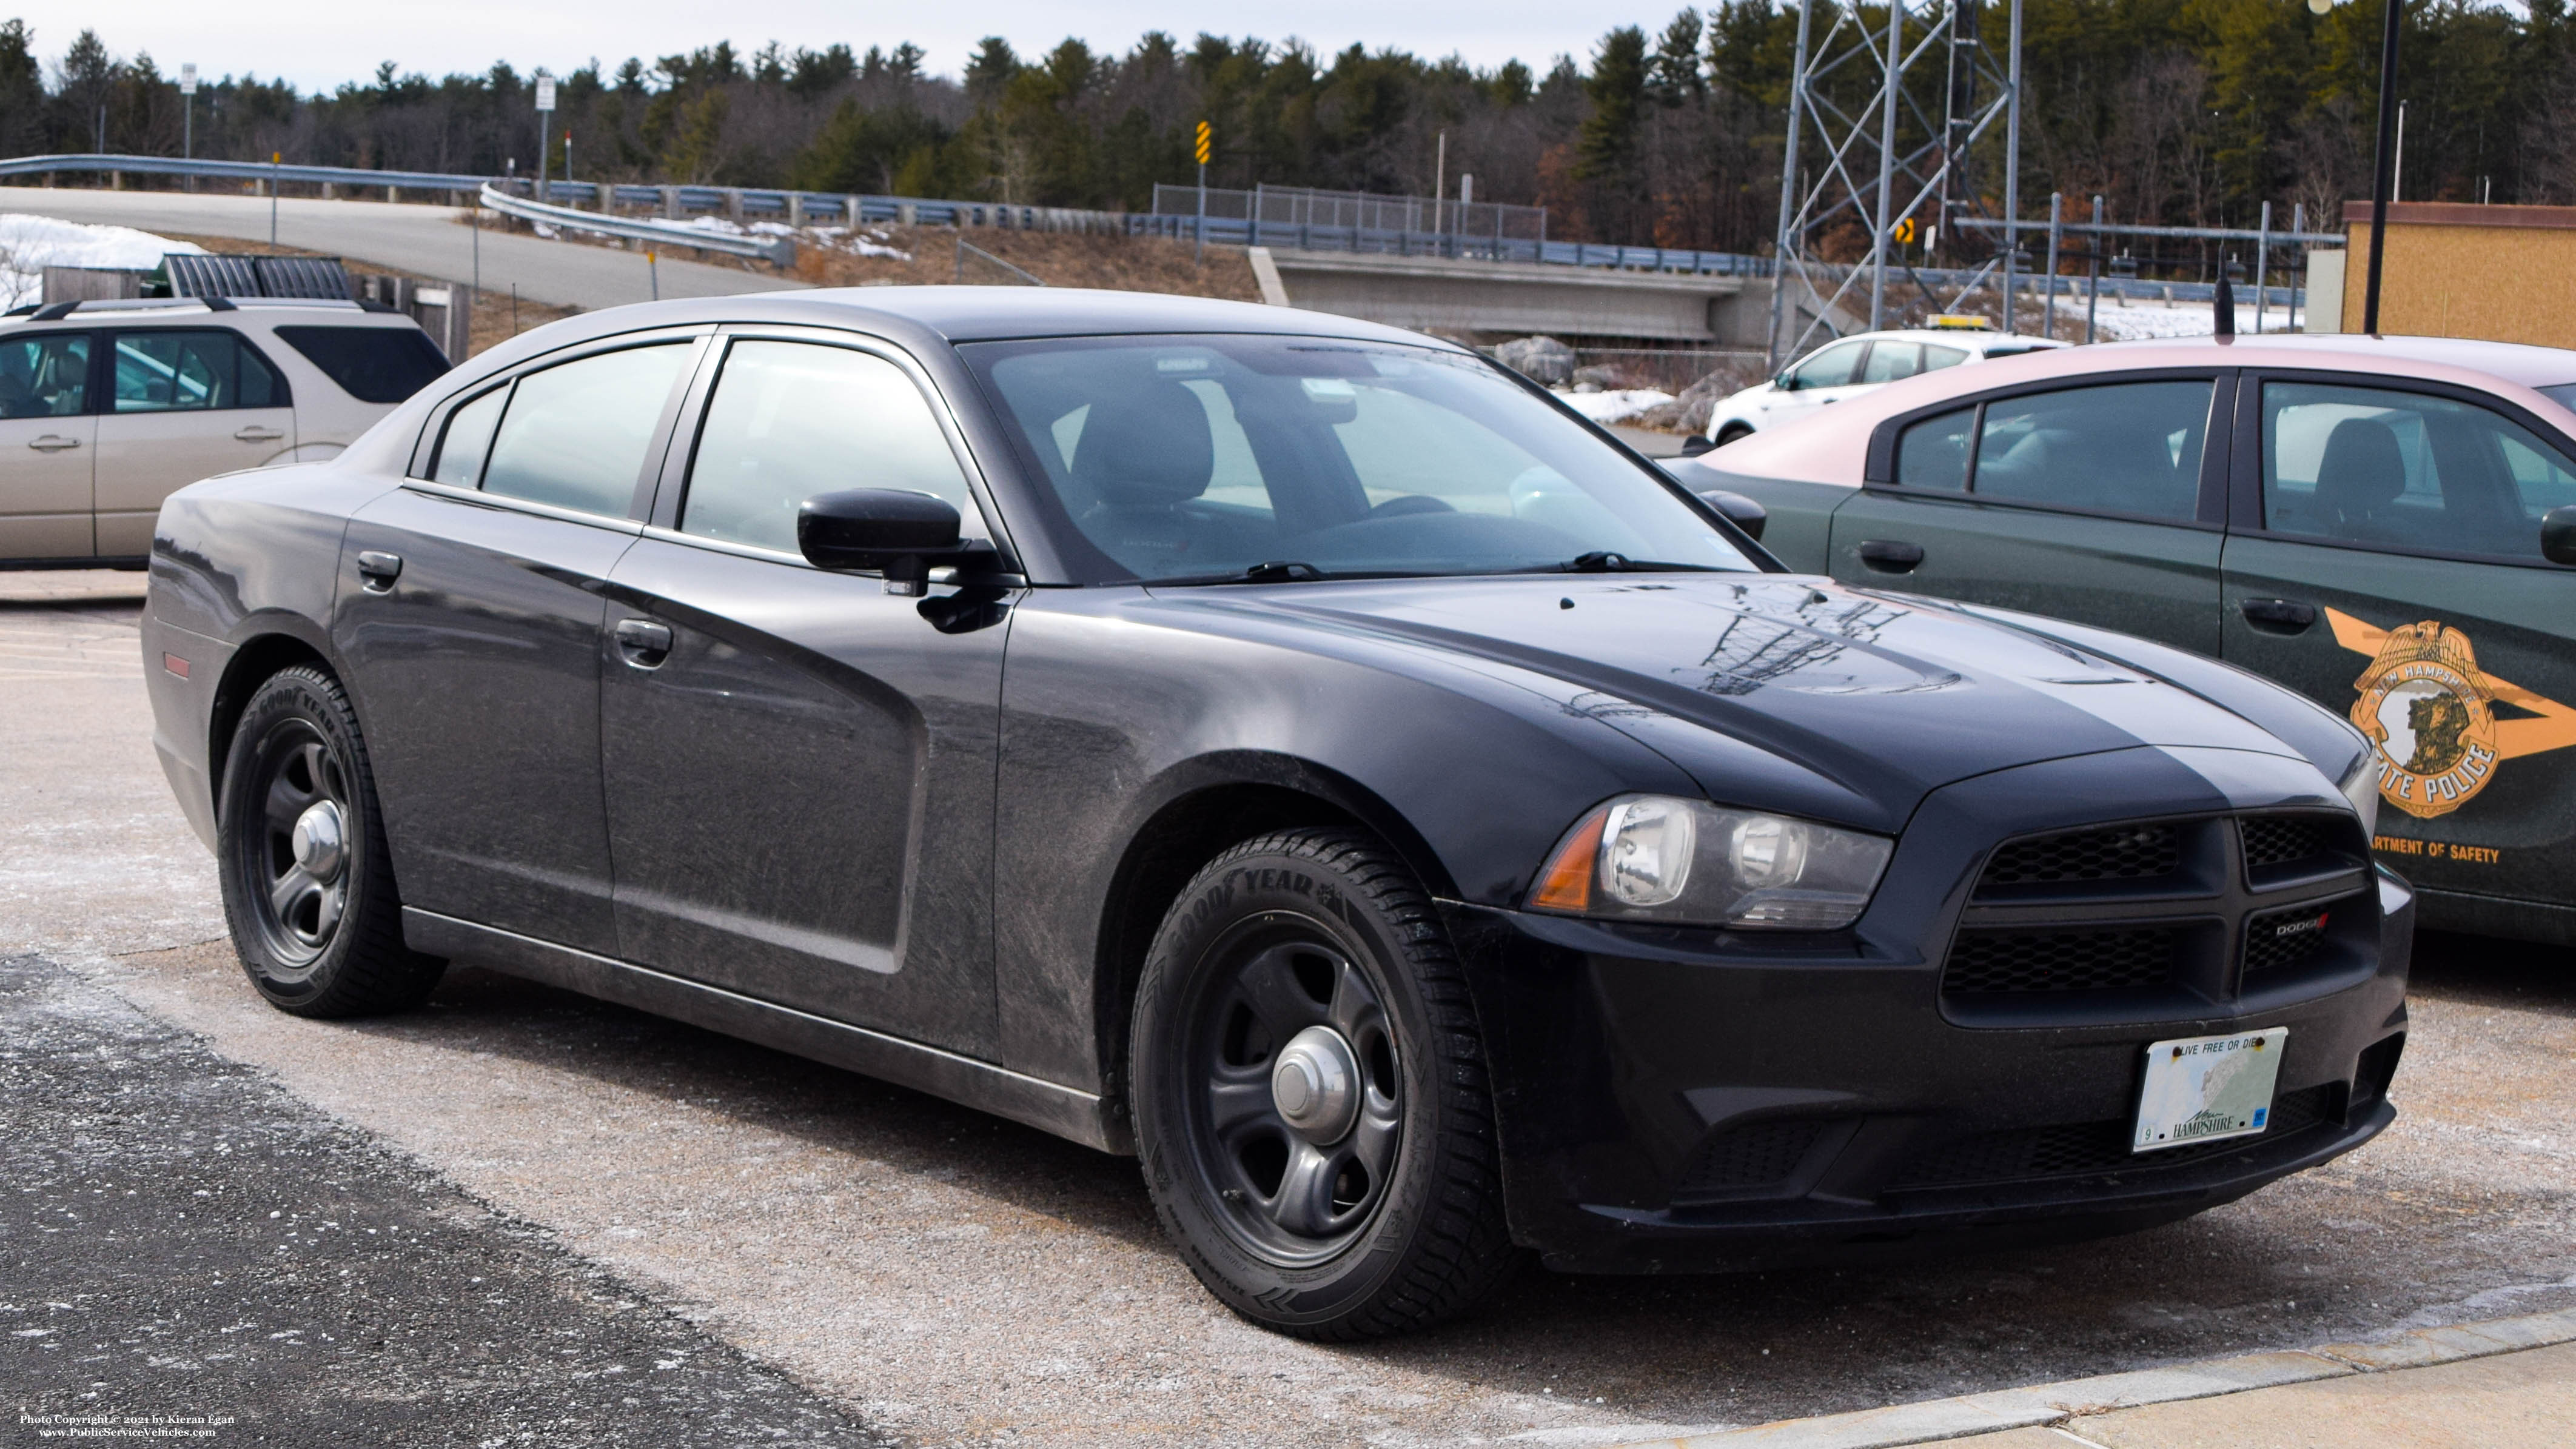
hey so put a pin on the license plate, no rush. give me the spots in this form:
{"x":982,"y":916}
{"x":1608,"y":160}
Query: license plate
{"x":2207,"y":1088}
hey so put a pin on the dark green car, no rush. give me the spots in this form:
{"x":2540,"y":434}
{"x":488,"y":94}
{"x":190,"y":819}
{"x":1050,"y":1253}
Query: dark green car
{"x":2388,"y":525}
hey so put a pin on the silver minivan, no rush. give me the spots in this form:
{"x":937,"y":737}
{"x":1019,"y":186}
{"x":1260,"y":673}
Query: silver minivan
{"x":108,"y":407}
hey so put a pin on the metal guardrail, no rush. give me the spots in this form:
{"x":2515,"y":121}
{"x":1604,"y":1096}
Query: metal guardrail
{"x":778,"y":250}
{"x":1318,"y":237}
{"x":596,"y":204}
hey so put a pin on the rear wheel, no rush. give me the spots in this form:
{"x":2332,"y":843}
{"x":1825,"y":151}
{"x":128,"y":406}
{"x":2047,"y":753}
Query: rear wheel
{"x":1311,"y":1097}
{"x":308,"y":881}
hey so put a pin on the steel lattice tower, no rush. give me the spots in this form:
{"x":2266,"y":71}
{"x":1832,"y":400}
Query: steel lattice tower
{"x":1883,"y":121}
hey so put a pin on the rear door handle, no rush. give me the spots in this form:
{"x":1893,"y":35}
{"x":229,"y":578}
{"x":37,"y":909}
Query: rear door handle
{"x":377,"y":571}
{"x":643,"y":643}
{"x":1891,"y":556}
{"x":2278,"y":616}
{"x":257,"y":434}
{"x":52,"y":443}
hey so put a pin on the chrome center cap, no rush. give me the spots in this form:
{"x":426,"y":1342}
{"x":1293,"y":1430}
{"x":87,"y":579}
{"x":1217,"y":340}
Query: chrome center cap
{"x":318,"y":840}
{"x":1316,"y":1085}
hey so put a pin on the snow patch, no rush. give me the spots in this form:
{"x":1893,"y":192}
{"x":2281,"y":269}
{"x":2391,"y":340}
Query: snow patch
{"x":29,"y":244}
{"x":2127,"y":321}
{"x":1615,"y":406}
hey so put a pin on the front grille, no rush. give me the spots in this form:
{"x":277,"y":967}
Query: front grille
{"x":2284,"y":939}
{"x":2080,"y":1148}
{"x":1755,"y":1154}
{"x":2124,"y":852}
{"x":1993,"y":962}
{"x":2283,"y":840}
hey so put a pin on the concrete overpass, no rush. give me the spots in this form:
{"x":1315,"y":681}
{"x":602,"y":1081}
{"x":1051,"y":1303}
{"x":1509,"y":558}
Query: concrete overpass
{"x":1518,"y":298}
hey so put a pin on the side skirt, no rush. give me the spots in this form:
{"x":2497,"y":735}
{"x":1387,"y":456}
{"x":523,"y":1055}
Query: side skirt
{"x":1064,"y":1111}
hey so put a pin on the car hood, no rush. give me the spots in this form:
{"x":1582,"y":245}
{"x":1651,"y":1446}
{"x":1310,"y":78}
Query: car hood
{"x":1882,"y":697}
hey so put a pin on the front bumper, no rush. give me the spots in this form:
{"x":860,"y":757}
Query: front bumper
{"x":1680,"y":1100}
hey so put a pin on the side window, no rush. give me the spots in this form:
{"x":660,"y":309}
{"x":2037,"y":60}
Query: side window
{"x":2124,"y":448}
{"x":2375,"y":465}
{"x":793,"y":419}
{"x":371,"y":364}
{"x":574,"y":435}
{"x":1936,"y":357}
{"x":1832,"y":367}
{"x":45,"y":376}
{"x":1934,"y":452}
{"x":468,"y":440}
{"x":1892,"y":361}
{"x":191,"y":371}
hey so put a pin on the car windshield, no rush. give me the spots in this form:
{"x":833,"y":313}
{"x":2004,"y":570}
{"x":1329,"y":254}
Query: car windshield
{"x":1203,"y":459}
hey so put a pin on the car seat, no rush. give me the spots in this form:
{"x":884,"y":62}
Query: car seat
{"x":1144,"y":452}
{"x":2361,"y":474}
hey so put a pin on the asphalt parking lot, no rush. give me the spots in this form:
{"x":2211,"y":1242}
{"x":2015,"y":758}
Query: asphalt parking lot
{"x":848,"y":1259}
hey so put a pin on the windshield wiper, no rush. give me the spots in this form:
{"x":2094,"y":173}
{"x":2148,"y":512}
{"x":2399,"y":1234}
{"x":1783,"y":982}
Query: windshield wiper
{"x":1603,"y":561}
{"x":1280,"y":572}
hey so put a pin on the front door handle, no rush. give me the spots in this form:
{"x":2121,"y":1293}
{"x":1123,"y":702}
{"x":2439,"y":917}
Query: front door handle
{"x":1891,"y":556}
{"x":643,"y":643}
{"x":2278,"y":616}
{"x":377,"y":571}
{"x":254,"y":433}
{"x":52,"y":443}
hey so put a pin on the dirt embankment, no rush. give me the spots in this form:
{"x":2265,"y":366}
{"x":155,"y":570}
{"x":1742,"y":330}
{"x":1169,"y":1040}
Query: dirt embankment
{"x":929,"y":255}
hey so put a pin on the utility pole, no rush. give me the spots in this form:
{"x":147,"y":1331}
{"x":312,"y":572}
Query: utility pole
{"x":1206,"y":148}
{"x":2383,"y":186}
{"x":1439,"y":183}
{"x":545,"y":127}
{"x":2093,"y":272}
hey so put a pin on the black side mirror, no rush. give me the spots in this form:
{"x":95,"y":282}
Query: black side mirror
{"x":898,"y":532}
{"x":1741,"y":511}
{"x":1696,"y":444}
{"x":1785,"y":382}
{"x":2558,"y":535}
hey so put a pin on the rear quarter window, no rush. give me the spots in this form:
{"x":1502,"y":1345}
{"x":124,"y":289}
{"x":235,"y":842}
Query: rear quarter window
{"x":371,"y":364}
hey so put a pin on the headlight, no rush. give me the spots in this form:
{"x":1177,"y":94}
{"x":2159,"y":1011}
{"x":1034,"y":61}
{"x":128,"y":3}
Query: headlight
{"x":1658,"y":858}
{"x":2361,"y":787}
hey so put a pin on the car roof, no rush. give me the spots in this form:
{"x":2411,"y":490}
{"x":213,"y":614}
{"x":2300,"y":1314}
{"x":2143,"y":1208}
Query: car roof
{"x":1833,"y":447}
{"x":980,"y":314}
{"x":117,"y":311}
{"x":1977,"y":337}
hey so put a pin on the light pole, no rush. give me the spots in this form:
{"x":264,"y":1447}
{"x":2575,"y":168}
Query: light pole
{"x":2383,"y":181}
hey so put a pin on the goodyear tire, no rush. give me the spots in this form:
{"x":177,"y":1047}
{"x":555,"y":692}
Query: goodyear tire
{"x":1310,"y":1092}
{"x":308,"y":882}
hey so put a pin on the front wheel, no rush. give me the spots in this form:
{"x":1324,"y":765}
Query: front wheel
{"x":308,"y":881}
{"x":1311,"y":1098}
{"x":1731,"y":432}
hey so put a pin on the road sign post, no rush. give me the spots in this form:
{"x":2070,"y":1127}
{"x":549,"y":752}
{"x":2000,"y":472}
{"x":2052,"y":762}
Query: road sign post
{"x":1205,"y":148}
{"x":188,"y":111}
{"x":545,"y":127}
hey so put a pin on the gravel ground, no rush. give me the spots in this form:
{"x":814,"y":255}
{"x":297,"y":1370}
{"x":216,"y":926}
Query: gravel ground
{"x":186,"y":1240}
{"x":953,"y":1279}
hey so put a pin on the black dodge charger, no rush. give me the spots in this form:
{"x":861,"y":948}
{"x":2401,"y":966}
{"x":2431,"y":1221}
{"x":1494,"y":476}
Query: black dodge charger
{"x":1293,"y":751}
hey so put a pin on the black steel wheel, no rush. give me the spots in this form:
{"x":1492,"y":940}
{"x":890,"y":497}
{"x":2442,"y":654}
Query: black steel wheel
{"x":1310,"y":1097}
{"x":307,"y":878}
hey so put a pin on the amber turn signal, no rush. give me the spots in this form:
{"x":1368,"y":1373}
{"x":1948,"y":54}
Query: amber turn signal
{"x":1566,"y":883}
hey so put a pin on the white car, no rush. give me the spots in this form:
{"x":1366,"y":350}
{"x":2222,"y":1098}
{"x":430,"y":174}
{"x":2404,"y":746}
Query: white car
{"x":1853,"y":365}
{"x":108,"y":407}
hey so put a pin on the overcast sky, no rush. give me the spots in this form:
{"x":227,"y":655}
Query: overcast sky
{"x":318,"y":45}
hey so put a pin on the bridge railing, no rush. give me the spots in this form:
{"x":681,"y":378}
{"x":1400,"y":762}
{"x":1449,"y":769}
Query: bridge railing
{"x":602,"y":202}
